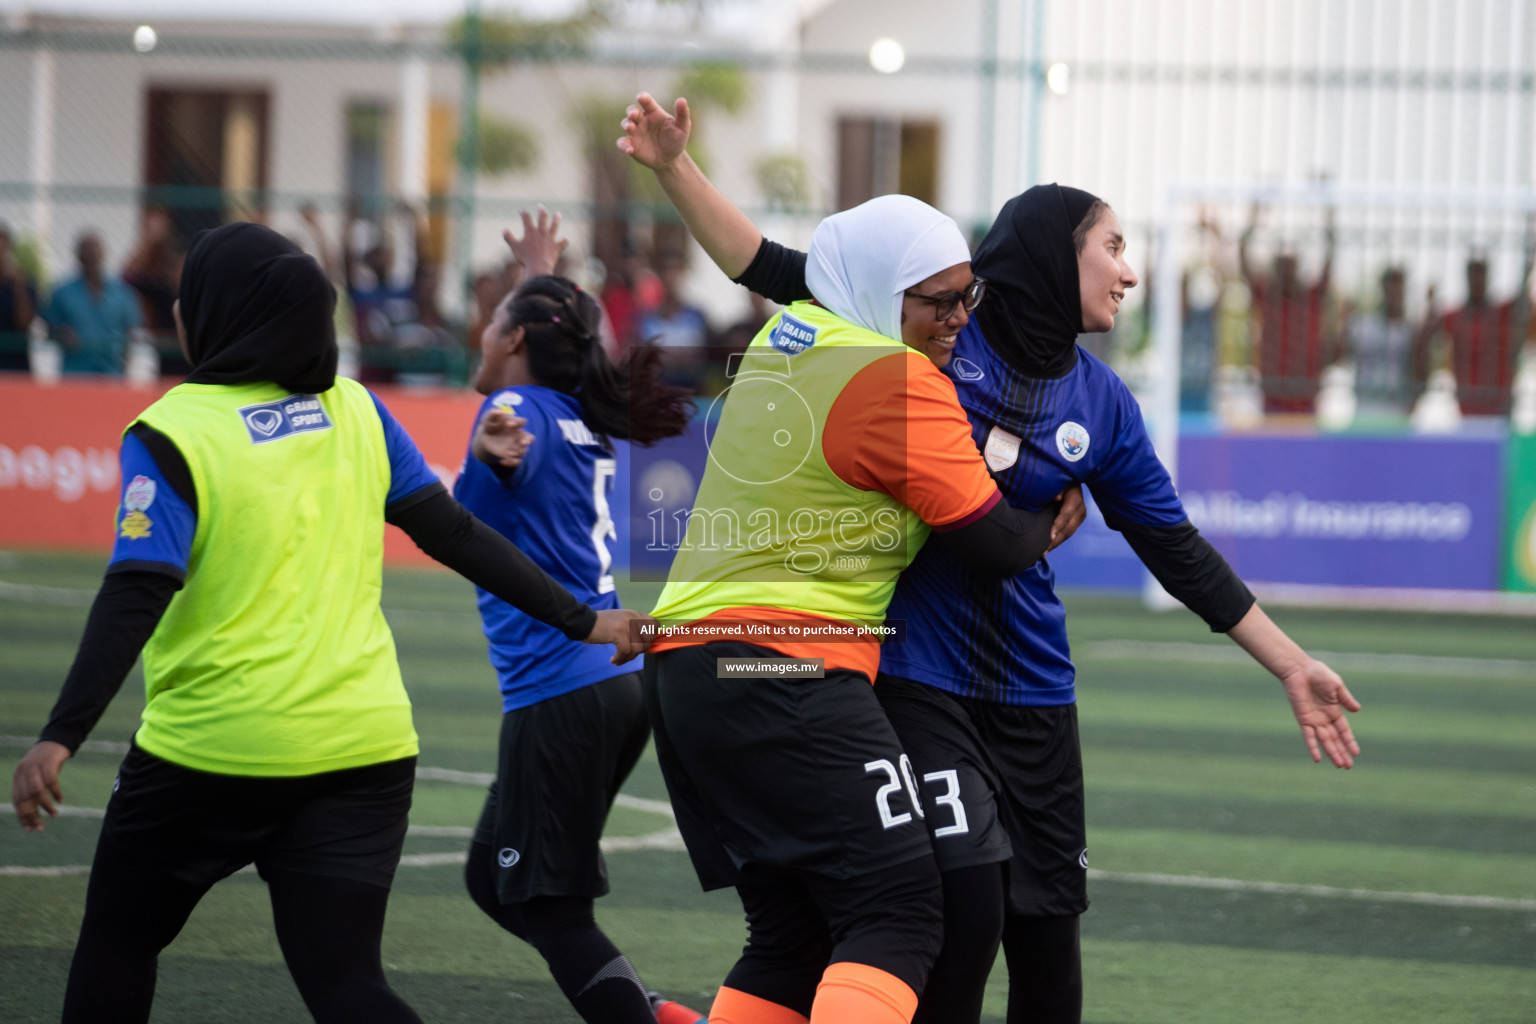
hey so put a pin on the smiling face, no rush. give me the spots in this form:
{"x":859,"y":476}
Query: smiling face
{"x":1103,"y":276}
{"x":920,"y":330}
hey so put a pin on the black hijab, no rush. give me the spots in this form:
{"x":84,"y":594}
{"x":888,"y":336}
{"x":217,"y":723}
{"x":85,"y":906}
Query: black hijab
{"x":1034,"y":310}
{"x":256,"y":307}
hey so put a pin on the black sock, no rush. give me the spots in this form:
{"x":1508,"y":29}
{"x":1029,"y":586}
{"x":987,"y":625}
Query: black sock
{"x":599,"y":981}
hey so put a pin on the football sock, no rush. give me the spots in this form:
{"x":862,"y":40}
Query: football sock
{"x":852,"y":993}
{"x":600,"y":982}
{"x":732,"y":1006}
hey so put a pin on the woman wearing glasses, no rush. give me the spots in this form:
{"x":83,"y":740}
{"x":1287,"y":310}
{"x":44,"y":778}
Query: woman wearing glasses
{"x":981,"y":692}
{"x":837,"y":450}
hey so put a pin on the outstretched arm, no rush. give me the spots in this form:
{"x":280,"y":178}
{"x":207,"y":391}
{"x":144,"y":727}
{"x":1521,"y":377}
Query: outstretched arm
{"x":1318,"y":696}
{"x":657,"y":139}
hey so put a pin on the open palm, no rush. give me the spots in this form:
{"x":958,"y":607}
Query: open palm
{"x":653,"y":136}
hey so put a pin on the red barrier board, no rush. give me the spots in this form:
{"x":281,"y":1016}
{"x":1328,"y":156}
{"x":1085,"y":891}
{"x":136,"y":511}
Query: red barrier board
{"x":58,"y":456}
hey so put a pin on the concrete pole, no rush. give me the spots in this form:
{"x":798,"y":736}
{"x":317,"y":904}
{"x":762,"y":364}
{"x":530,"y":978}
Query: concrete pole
{"x":413,"y":104}
{"x":42,"y":151}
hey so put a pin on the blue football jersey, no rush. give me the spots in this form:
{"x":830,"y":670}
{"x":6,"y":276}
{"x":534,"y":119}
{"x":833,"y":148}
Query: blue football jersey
{"x":554,"y":506}
{"x":1006,"y":640}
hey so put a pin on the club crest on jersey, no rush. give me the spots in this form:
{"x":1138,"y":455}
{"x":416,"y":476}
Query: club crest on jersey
{"x":1002,"y":449}
{"x":139,"y":494}
{"x":135,"y":526}
{"x":791,"y":336}
{"x":966,"y":370}
{"x":1072,"y":441}
{"x":273,"y":421}
{"x":506,"y":400}
{"x":507,"y":857}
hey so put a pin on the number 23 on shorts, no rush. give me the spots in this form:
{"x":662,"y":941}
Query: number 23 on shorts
{"x":904,"y":778}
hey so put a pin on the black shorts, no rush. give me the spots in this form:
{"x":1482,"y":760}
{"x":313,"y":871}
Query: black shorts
{"x":1018,"y":767}
{"x":804,"y":774}
{"x":959,"y":782}
{"x":559,"y":765}
{"x":200,"y":826}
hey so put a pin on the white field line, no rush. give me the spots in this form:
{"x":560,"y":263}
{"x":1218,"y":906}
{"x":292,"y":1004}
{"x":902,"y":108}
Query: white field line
{"x":671,"y":839}
{"x":1431,"y":899}
{"x":31,"y":594}
{"x":81,"y":597}
{"x":1231,"y":654}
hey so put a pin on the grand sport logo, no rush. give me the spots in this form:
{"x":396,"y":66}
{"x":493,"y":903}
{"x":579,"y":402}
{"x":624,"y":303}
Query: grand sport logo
{"x":791,"y":336}
{"x":273,"y":421}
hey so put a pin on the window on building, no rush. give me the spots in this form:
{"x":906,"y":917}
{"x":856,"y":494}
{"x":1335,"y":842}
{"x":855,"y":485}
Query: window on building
{"x":205,"y":156}
{"x":880,"y":155}
{"x":367,"y":158}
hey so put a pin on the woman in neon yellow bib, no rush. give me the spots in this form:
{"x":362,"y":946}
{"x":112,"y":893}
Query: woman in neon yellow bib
{"x":247,"y":568}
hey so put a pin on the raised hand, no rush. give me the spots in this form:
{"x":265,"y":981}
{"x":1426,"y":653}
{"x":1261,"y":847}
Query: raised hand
{"x":540,"y":247}
{"x":652,"y":136}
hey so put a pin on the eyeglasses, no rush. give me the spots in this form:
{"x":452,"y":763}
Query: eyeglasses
{"x":944,"y":304}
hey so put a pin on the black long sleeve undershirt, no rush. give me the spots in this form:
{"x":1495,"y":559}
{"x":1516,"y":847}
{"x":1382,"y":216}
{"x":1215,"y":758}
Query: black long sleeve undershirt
{"x":126,"y":611}
{"x":134,"y":597}
{"x":1003,"y":542}
{"x":1190,"y":569}
{"x":777,"y":273}
{"x":450,"y":533}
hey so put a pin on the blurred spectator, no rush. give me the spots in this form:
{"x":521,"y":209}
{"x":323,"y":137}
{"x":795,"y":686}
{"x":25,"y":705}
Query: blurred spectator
{"x":1486,"y":338}
{"x":740,"y":334}
{"x":629,"y":290}
{"x":1200,"y":294}
{"x":1382,"y":343}
{"x":675,"y":325}
{"x":153,"y":270}
{"x":389,"y":316}
{"x":18,"y":305}
{"x":1292,"y":321}
{"x":91,"y":315}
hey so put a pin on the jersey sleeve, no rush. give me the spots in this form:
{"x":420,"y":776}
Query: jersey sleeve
{"x":154,"y":524}
{"x":898,"y":428}
{"x":408,"y":469}
{"x":1132,"y":484}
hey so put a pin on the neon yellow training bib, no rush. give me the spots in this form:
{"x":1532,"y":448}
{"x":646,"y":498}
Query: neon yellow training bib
{"x":275,"y":659}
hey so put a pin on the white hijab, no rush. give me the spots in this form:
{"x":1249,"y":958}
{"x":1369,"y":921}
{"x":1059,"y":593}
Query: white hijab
{"x":862,"y":259}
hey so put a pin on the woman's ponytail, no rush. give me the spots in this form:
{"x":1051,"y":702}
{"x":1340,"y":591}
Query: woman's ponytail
{"x":629,"y":401}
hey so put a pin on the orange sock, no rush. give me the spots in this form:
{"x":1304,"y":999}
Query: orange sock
{"x":668,"y":1012}
{"x":852,"y":993}
{"x":734,"y":1007}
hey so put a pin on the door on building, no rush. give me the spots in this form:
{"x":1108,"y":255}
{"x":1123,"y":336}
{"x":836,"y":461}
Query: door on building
{"x":880,"y":155}
{"x":205,"y":155}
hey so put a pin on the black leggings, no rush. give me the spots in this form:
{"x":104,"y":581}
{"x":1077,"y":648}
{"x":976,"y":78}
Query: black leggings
{"x":1045,"y":978}
{"x":329,"y":930}
{"x":798,"y":923}
{"x":1045,"y":969}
